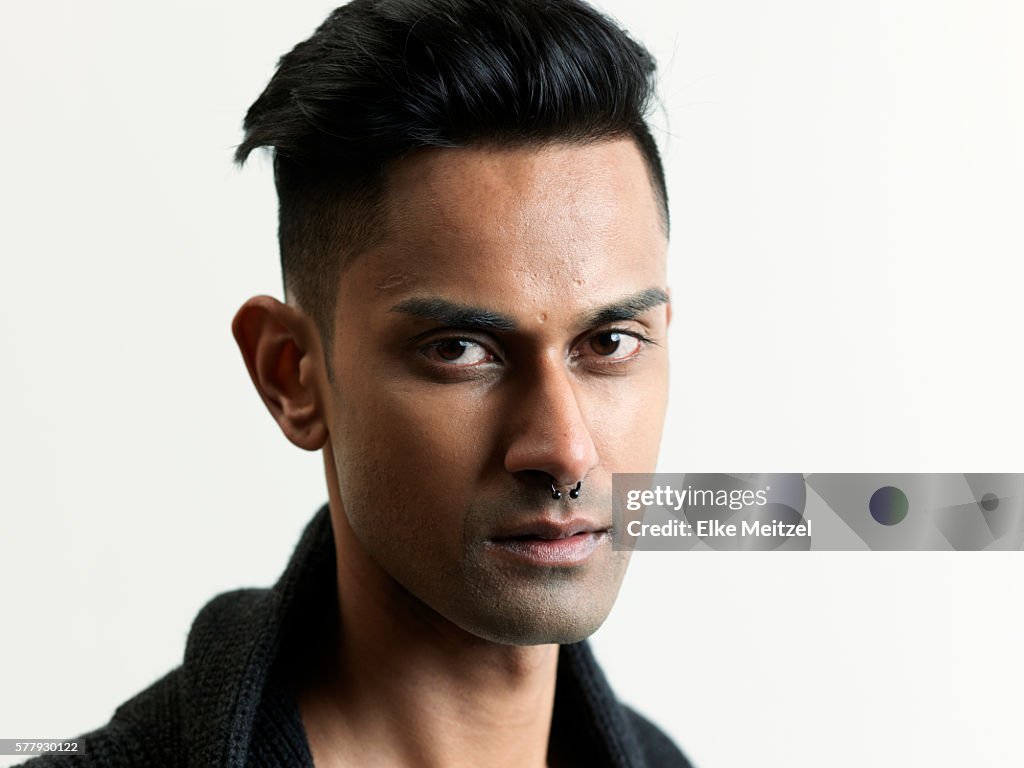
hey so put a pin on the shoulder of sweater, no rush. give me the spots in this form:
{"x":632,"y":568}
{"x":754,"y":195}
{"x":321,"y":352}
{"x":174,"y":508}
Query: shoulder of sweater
{"x":144,"y":731}
{"x":147,"y":729}
{"x":658,"y":749}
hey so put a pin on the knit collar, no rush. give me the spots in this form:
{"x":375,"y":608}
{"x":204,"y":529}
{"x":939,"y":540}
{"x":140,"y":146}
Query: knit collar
{"x":237,"y":637}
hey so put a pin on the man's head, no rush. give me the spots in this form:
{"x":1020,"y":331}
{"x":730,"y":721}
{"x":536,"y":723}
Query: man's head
{"x":473,"y":226}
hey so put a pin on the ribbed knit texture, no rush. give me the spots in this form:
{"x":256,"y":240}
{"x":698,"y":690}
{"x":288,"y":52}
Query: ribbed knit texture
{"x":231,"y":703}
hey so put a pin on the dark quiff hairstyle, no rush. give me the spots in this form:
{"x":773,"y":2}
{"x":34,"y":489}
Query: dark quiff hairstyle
{"x":381,"y":78}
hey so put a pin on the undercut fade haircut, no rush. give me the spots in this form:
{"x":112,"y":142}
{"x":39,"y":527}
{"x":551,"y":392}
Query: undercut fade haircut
{"x":382,"y":78}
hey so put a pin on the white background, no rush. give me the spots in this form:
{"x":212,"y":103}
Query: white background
{"x":847,"y":190}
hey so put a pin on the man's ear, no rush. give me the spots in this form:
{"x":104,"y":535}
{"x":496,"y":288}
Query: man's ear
{"x":281,"y":348}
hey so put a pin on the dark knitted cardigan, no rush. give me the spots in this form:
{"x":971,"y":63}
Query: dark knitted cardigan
{"x":230,"y":702}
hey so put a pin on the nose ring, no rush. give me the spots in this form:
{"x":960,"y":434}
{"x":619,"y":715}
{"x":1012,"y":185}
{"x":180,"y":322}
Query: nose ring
{"x":574,"y":493}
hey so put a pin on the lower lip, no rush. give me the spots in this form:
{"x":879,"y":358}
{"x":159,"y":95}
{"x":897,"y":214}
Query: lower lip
{"x":571,"y":550}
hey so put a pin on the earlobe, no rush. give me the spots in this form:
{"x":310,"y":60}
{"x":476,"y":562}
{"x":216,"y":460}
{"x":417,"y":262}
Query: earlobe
{"x":277,"y":341}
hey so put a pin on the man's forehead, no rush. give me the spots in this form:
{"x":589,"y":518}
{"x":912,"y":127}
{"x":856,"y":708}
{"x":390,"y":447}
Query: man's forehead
{"x":510,"y":190}
{"x":568,"y":213}
{"x":558,"y":232}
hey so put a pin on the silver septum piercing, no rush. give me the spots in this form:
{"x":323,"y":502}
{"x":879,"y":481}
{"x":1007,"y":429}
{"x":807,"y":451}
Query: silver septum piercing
{"x":574,"y":493}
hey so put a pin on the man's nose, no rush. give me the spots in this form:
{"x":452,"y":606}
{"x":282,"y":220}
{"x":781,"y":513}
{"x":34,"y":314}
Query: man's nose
{"x":550,"y":434}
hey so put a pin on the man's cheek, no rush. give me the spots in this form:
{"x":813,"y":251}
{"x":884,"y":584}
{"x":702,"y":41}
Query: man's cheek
{"x":438,"y":431}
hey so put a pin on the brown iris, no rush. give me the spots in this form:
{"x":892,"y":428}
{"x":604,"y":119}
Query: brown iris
{"x":452,"y":349}
{"x":606,"y":343}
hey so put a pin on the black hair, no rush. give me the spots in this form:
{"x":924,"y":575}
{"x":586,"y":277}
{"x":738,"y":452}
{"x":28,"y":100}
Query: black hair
{"x":380,"y":78}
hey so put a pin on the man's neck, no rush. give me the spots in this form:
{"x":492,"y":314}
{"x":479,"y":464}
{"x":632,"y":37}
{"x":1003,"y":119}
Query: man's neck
{"x":401,"y":686}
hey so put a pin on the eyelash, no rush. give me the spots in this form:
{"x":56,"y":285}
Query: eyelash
{"x":435,"y":344}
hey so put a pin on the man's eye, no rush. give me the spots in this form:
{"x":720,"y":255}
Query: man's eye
{"x":613,"y":345}
{"x":460,"y":352}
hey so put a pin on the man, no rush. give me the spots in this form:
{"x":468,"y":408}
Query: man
{"x":473,"y":232}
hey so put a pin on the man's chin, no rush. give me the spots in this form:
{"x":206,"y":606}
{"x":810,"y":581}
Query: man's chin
{"x":522,"y":636}
{"x":545,"y":625}
{"x":522,"y":605}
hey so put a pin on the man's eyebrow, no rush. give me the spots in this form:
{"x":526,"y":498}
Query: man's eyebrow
{"x":626,"y":309}
{"x":455,"y":315}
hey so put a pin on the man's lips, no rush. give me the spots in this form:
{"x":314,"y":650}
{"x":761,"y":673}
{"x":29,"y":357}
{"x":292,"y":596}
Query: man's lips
{"x":550,"y":529}
{"x":551,"y":542}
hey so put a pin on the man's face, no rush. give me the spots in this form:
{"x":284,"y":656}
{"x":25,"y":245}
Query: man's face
{"x":508,"y":333}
